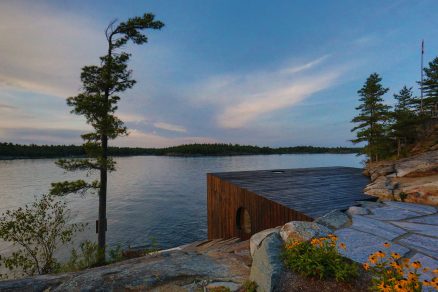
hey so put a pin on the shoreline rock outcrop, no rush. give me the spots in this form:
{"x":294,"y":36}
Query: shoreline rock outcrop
{"x":413,"y":179}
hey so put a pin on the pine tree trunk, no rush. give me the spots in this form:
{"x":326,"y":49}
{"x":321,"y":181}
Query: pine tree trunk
{"x":102,"y":224}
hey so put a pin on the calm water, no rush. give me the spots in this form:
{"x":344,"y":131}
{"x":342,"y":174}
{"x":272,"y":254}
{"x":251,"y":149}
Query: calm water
{"x":149,"y":196}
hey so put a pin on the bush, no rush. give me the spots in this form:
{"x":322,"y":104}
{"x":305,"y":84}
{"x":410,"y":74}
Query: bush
{"x":319,"y":258}
{"x":87,"y":257}
{"x":250,"y":286}
{"x":36,"y":231}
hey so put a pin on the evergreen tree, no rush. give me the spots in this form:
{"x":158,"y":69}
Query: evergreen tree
{"x":372,"y":118}
{"x":98,"y":103}
{"x":430,"y":88}
{"x":405,"y":119}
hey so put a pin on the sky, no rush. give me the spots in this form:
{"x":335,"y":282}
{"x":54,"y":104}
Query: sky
{"x":267,"y":73}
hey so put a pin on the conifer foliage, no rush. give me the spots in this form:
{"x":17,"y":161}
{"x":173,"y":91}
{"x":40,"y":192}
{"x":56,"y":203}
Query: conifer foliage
{"x":97,"y":102}
{"x":430,"y":88}
{"x":372,"y":118}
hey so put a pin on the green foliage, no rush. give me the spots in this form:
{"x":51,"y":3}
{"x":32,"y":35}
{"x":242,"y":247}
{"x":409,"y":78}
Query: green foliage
{"x":87,"y":257}
{"x":403,"y":196}
{"x":219,"y":289}
{"x":405,"y":120}
{"x":372,"y":120}
{"x":36,"y":231}
{"x":430,"y":88}
{"x":97,"y":102}
{"x":250,"y":286}
{"x":319,"y":258}
{"x":116,"y":254}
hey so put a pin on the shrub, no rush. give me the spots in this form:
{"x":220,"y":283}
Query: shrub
{"x":36,"y":231}
{"x":403,"y":196}
{"x":393,"y":273}
{"x":87,"y":257}
{"x":250,"y":286}
{"x":319,"y":258}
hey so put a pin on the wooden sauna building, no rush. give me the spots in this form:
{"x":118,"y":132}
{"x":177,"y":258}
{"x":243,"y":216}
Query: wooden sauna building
{"x":242,"y":203}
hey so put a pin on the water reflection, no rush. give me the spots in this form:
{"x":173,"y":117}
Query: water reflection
{"x":149,"y":196}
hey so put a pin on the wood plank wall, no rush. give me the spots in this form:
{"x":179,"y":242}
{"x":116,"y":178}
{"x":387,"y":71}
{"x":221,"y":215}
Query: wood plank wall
{"x":225,"y":198}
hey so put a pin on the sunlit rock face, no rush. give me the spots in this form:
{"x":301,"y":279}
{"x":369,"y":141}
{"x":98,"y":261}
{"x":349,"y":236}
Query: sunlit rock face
{"x":413,"y":179}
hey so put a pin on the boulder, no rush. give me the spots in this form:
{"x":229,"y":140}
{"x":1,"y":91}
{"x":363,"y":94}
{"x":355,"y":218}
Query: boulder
{"x":354,"y":210}
{"x":303,"y":231}
{"x":258,"y":238}
{"x":334,"y":219}
{"x":267,"y":267}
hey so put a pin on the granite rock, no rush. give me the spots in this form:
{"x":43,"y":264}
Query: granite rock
{"x":258,"y":238}
{"x":354,"y":210}
{"x":303,"y":231}
{"x":334,"y":219}
{"x":267,"y":266}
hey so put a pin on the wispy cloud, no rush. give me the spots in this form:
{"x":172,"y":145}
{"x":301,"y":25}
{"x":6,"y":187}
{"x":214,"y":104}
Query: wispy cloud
{"x":170,"y":127}
{"x":240,"y":114}
{"x":243,"y":98}
{"x":46,"y":48}
{"x":7,"y":107}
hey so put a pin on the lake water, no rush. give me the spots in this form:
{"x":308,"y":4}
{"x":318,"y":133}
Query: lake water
{"x":148,"y":196}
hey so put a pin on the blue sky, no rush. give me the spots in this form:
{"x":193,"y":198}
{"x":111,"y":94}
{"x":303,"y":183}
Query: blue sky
{"x":269,"y":73}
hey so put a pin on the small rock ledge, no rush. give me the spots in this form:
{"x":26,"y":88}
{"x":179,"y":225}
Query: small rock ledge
{"x":415,"y":177}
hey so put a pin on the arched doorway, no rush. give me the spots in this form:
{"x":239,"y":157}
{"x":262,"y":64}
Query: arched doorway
{"x":243,"y":220}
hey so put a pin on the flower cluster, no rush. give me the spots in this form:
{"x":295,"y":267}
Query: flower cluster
{"x":320,"y":258}
{"x":393,"y":273}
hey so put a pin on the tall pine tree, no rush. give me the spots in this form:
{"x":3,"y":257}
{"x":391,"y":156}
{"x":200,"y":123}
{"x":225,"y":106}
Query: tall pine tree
{"x":405,"y":119}
{"x":372,"y":126}
{"x":98,"y":103}
{"x":430,"y":88}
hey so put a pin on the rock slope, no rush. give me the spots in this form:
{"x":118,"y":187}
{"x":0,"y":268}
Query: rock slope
{"x":194,"y":267}
{"x":413,"y":179}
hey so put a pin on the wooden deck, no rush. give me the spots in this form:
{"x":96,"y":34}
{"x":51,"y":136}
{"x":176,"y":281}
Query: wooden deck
{"x":240,"y":204}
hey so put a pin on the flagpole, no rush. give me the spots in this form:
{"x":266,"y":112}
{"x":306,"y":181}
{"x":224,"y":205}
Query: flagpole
{"x":421,"y":87}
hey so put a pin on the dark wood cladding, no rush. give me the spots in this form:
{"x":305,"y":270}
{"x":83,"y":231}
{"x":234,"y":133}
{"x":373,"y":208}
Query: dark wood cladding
{"x":275,"y":197}
{"x":224,"y":200}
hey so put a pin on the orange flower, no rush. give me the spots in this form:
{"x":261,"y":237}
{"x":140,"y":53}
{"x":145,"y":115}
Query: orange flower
{"x":386,"y":244}
{"x":395,"y":255}
{"x":372,"y":259}
{"x":395,"y":265}
{"x":399,"y":288}
{"x":343,"y":246}
{"x":435,"y":271}
{"x":366,"y":266}
{"x":412,"y":277}
{"x":315,"y":241}
{"x":380,"y":254}
{"x":333,"y":237}
{"x":416,"y":265}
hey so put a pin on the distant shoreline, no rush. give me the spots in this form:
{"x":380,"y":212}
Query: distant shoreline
{"x":9,"y":151}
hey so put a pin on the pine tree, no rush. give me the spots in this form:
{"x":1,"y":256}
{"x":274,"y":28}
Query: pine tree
{"x":430,"y":88}
{"x":405,"y":119}
{"x":98,"y":103}
{"x":372,"y":119}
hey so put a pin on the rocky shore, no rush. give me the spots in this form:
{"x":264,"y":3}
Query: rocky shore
{"x":413,"y":179}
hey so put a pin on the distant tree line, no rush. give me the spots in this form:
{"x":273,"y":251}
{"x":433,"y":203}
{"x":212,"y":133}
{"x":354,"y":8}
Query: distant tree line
{"x":10,"y":150}
{"x":392,"y":132}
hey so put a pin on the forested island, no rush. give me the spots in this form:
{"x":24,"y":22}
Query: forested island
{"x":17,"y":151}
